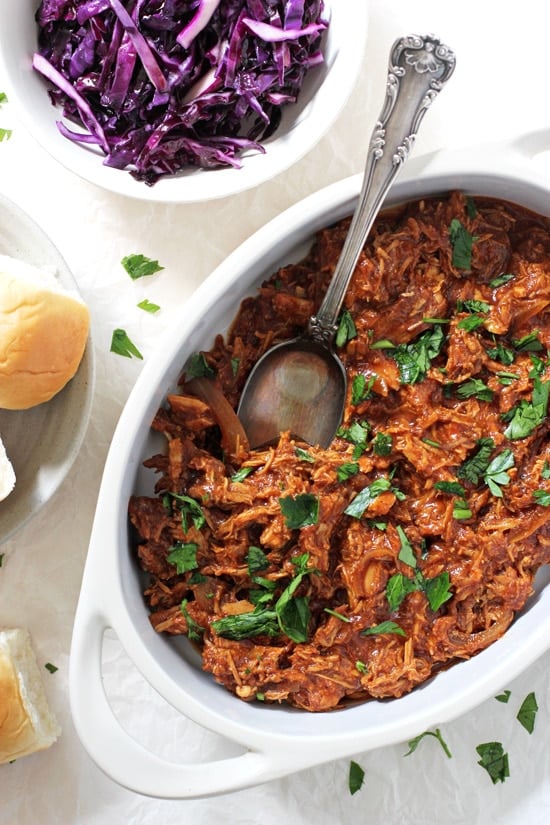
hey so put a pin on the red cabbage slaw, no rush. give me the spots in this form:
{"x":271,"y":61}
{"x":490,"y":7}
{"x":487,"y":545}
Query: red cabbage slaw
{"x":159,"y":86}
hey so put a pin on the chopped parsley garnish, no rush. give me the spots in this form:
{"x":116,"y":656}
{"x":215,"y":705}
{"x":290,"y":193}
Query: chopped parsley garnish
{"x":361,"y":388}
{"x":452,"y":487}
{"x":148,"y":306}
{"x":473,"y":306}
{"x":241,"y":474}
{"x":198,"y":367}
{"x":51,"y":668}
{"x":194,"y":629}
{"x":5,"y":134}
{"x":356,"y":777}
{"x":303,"y":455}
{"x":529,"y":343}
{"x":366,"y":497}
{"x":473,"y":468}
{"x":471,"y":322}
{"x":139,"y":266}
{"x":384,"y":627}
{"x":346,"y":329}
{"x":475,"y":388}
{"x":290,"y":614}
{"x":461,"y":243}
{"x":545,"y":472}
{"x":461,"y":509}
{"x":436,"y":589}
{"x":527,"y":713}
{"x":183,"y":556}
{"x":504,"y":697}
{"x":189,"y":509}
{"x":499,"y":352}
{"x":494,"y":760}
{"x":347,"y":470}
{"x":337,"y":615}
{"x":300,"y":511}
{"x":501,"y":280}
{"x":496,"y":475}
{"x":382,"y":444}
{"x":414,"y":359}
{"x":414,"y":743}
{"x":122,"y":345}
{"x":526,"y":416}
{"x":256,"y":560}
{"x":357,"y":434}
{"x":542,"y":497}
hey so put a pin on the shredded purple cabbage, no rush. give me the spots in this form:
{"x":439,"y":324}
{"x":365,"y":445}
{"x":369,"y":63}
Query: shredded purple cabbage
{"x":163,"y":85}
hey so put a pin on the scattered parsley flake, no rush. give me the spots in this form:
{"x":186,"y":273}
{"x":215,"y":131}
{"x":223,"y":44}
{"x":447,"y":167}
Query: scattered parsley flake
{"x":148,"y":306}
{"x":194,"y":629}
{"x":122,"y":345}
{"x":382,"y":444}
{"x":356,"y":777}
{"x":494,"y":760}
{"x":414,"y":743}
{"x":241,"y":474}
{"x":475,"y":466}
{"x":337,"y":615}
{"x":496,"y":475}
{"x":256,"y":560}
{"x":51,"y":668}
{"x":504,"y":697}
{"x":526,"y":416}
{"x":528,"y":343}
{"x":347,"y":470}
{"x":139,"y":266}
{"x":475,"y":388}
{"x":304,"y":455}
{"x":527,"y":713}
{"x":501,"y":280}
{"x":542,"y":497}
{"x":361,"y":388}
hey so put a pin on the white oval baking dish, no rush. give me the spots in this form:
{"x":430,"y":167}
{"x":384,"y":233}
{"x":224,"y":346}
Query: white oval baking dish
{"x":276,"y":740}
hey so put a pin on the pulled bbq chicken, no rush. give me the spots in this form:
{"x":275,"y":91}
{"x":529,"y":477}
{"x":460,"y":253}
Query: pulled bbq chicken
{"x":318,"y":577}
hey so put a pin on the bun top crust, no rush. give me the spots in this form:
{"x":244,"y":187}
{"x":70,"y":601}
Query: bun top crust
{"x":43,"y":335}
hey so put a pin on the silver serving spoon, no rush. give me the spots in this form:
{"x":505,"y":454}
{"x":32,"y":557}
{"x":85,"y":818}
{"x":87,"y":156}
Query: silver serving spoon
{"x":300,"y":385}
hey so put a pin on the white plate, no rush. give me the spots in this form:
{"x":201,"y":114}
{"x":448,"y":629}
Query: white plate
{"x":323,"y":95}
{"x":42,"y":442}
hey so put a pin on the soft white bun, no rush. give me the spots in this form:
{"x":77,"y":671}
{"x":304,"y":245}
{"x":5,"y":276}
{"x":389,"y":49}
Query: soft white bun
{"x":43,"y":334}
{"x":7,"y":474}
{"x":26,"y":721}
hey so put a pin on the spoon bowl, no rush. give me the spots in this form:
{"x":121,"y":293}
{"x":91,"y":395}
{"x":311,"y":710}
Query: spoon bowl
{"x":300,"y":385}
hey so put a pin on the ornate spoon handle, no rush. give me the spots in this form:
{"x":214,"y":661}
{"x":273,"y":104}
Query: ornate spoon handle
{"x":419,"y":67}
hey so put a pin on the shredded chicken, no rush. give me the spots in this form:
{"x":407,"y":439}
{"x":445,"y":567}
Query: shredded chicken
{"x":317,"y":577}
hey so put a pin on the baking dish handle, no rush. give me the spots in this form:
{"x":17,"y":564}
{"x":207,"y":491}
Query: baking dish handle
{"x":124,"y":759}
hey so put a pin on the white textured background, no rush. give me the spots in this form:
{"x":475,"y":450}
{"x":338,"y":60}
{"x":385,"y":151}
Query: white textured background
{"x":499,"y":90}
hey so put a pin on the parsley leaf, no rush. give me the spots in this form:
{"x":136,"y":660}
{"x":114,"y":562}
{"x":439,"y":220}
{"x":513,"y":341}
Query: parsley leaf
{"x":138,"y":266}
{"x":148,"y":306}
{"x":494,"y":760}
{"x":241,"y":474}
{"x":194,"y":629}
{"x":51,"y":668}
{"x":542,"y":497}
{"x":122,"y":345}
{"x":198,"y":367}
{"x":504,"y":697}
{"x":361,"y":388}
{"x":189,"y":509}
{"x":475,"y":388}
{"x":382,"y":444}
{"x":414,"y":743}
{"x":406,"y":553}
{"x":437,"y":590}
{"x":356,"y":777}
{"x":183,"y":556}
{"x":397,"y":588}
{"x":414,"y":359}
{"x":471,"y":322}
{"x":384,"y":627}
{"x":300,"y":511}
{"x":366,"y":497}
{"x":256,"y":560}
{"x":346,"y":329}
{"x":526,"y":416}
{"x":474,"y":467}
{"x":529,"y":343}
{"x":452,"y":487}
{"x":347,"y":470}
{"x":461,"y":245}
{"x":527,"y":713}
{"x":496,"y":475}
{"x":500,"y":280}
{"x":501,"y":353}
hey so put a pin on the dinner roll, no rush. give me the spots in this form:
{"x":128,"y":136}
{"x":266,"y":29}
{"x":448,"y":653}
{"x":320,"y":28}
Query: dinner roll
{"x":7,"y":474}
{"x":26,"y":722}
{"x":43,"y":334}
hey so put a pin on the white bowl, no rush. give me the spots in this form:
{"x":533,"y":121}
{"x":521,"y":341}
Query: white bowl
{"x":322,"y":97}
{"x":42,"y":442}
{"x":276,"y":740}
